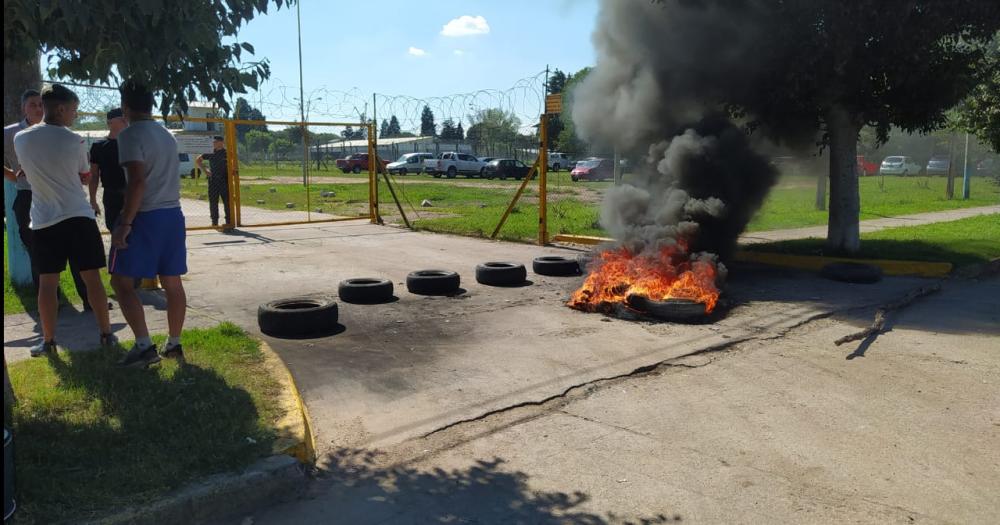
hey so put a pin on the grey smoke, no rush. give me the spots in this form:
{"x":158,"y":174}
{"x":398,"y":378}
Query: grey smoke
{"x":659,"y":67}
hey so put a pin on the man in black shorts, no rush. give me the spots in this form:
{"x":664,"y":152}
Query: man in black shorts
{"x":106,"y":171}
{"x":218,"y":180}
{"x":54,"y":160}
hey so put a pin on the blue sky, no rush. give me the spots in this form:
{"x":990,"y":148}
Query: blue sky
{"x":397,"y":47}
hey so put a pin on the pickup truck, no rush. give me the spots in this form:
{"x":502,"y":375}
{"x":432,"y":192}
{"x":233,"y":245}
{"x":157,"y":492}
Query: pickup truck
{"x":451,"y":164}
{"x":356,"y":163}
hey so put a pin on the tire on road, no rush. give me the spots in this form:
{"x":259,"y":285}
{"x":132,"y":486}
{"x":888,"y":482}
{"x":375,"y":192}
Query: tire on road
{"x":365,"y":290}
{"x":298,"y":317}
{"x":677,"y":310}
{"x":501,"y":274}
{"x":849,"y":272}
{"x":556,"y":266}
{"x":433,"y":282}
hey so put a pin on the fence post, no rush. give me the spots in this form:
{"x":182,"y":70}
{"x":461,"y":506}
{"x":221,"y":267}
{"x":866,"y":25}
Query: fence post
{"x":543,"y":166}
{"x":233,"y":166}
{"x":372,"y":180}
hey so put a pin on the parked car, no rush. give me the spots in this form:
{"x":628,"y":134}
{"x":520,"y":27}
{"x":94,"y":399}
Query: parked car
{"x":506,"y":169}
{"x":593,"y":169}
{"x":186,"y":163}
{"x":866,"y":168}
{"x":938,"y":165}
{"x":452,"y":163}
{"x":899,"y":165}
{"x":988,"y":167}
{"x":487,"y":160}
{"x":409,"y":163}
{"x":558,"y":161}
{"x":356,"y":163}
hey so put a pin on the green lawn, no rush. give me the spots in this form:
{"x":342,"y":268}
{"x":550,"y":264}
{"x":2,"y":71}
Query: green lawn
{"x":91,"y":438}
{"x":965,"y":241}
{"x":18,"y":299}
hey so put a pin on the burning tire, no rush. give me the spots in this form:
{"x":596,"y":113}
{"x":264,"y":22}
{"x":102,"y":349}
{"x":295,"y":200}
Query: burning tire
{"x":677,"y":310}
{"x":433,"y":282}
{"x":556,"y":266}
{"x":501,"y":274}
{"x":365,"y":290}
{"x":298,"y":317}
{"x":852,"y":273}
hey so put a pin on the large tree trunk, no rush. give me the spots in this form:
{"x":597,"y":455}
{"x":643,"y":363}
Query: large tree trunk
{"x":17,"y":76}
{"x":821,"y":191}
{"x":843,"y":231}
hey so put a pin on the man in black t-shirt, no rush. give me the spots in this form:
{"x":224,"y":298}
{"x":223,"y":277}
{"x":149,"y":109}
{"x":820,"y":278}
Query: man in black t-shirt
{"x":218,"y":180}
{"x":106,"y":171}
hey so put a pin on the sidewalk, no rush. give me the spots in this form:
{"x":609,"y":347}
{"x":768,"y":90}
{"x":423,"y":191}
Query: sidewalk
{"x":870,"y":225}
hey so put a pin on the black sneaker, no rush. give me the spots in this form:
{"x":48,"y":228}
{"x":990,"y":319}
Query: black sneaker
{"x":174,"y":352}
{"x":44,"y":348}
{"x":139,"y":358}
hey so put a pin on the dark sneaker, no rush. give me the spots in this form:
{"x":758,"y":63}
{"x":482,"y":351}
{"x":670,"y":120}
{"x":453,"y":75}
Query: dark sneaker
{"x":44,"y":348}
{"x":174,"y":352}
{"x":108,"y":340}
{"x":139,"y":358}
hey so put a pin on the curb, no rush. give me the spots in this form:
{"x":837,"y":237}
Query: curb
{"x":816,"y":262}
{"x":295,"y":435}
{"x":220,"y":495}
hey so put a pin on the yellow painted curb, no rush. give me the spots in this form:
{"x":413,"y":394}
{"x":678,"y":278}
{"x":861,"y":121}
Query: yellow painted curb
{"x":295,"y":435}
{"x":816,"y":262}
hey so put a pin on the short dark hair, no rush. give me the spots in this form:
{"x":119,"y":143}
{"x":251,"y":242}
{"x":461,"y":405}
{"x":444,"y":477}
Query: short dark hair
{"x":57,"y":94}
{"x":137,"y":97}
{"x":218,"y":138}
{"x":114,"y":113}
{"x":29,"y":93}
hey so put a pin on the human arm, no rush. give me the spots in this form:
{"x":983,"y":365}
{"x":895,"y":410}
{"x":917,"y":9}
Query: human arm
{"x":133,"y":199}
{"x":95,"y":180}
{"x":9,"y":174}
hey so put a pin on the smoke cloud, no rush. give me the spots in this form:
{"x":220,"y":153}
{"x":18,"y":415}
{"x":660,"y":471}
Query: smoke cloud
{"x":660,"y":68}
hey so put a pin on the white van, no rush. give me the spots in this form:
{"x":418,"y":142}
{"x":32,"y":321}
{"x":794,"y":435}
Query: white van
{"x":409,"y":163}
{"x":186,"y":165}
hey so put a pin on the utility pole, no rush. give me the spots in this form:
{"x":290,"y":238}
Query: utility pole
{"x":965,"y":170}
{"x":302,"y":99}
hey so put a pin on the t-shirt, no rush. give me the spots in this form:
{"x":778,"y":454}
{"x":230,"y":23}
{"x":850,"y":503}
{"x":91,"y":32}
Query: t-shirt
{"x":10,"y":156}
{"x":217,"y":163}
{"x":105,"y":154}
{"x":53,"y":157}
{"x":149,"y":142}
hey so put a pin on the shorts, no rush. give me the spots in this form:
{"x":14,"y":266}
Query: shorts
{"x":156,"y":246}
{"x":76,"y":240}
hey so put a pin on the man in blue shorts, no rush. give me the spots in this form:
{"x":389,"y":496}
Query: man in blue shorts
{"x":149,"y":238}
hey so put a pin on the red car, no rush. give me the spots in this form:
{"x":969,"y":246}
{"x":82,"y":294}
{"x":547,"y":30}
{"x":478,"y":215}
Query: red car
{"x":866,"y":168}
{"x":593,"y":169}
{"x":356,"y":163}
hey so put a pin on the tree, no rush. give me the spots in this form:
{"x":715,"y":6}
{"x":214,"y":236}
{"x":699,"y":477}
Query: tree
{"x":448,"y":130}
{"x":383,"y":132}
{"x":427,"y":126}
{"x":244,"y":111}
{"x":557,"y":82}
{"x":979,"y":114}
{"x":257,"y":142}
{"x":493,"y":128}
{"x":394,"y":129}
{"x":566,"y":139}
{"x":800,"y":69}
{"x":187,"y":51}
{"x":281,"y":147}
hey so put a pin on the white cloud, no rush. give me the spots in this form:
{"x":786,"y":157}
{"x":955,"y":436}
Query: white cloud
{"x":466,"y":25}
{"x":416,"y":51}
{"x":458,"y":52}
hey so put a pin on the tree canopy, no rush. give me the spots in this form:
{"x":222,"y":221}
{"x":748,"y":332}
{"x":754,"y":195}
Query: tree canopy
{"x":176,"y":48}
{"x":427,"y":126}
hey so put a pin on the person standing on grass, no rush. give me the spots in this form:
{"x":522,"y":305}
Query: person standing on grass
{"x":218,"y":180}
{"x":105,"y":170}
{"x":64,"y":228}
{"x":32,"y":109}
{"x":149,"y":238}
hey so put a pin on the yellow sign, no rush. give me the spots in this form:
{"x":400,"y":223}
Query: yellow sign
{"x":553,"y":103}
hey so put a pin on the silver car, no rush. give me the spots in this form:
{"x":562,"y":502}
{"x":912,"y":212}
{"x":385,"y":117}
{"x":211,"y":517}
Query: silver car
{"x":938,"y":165}
{"x":899,"y":165}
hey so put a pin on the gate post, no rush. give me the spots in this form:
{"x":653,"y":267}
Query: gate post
{"x":543,"y":169}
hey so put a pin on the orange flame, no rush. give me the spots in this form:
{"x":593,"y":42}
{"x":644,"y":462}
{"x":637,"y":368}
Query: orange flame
{"x":669,"y":274}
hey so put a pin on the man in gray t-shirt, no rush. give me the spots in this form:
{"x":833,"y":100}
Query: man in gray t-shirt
{"x":149,"y":239}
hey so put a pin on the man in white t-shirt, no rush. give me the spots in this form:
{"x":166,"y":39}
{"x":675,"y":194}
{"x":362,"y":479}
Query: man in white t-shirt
{"x":54,"y":160}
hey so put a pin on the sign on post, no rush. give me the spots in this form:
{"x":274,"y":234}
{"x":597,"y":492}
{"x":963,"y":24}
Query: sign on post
{"x":553,"y":104}
{"x":194,"y":144}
